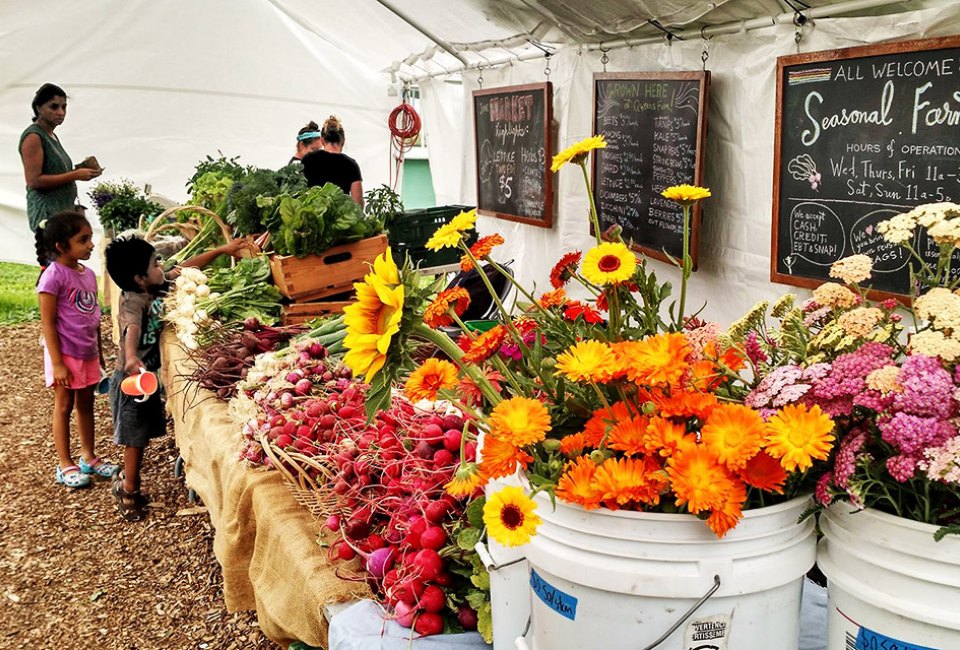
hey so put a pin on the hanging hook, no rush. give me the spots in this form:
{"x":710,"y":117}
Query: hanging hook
{"x":704,"y":54}
{"x":480,"y":76}
{"x":604,"y":59}
{"x":799,"y":20}
{"x":546,"y":70}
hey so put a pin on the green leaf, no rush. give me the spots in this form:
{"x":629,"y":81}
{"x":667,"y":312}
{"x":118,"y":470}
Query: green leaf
{"x":477,"y":599}
{"x":475,"y":512}
{"x":468,"y":538}
{"x":481,"y":580}
{"x":485,"y":622}
{"x":378,"y":398}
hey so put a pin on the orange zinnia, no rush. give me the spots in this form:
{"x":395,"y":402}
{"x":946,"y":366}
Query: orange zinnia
{"x":659,"y":360}
{"x":485,"y":345}
{"x":628,"y":480}
{"x":728,"y":515}
{"x":764,"y":472}
{"x":519,"y":421}
{"x":429,"y":379}
{"x":499,"y":458}
{"x":699,"y":480}
{"x":437,"y":312}
{"x":628,"y":435}
{"x":480,"y":250}
{"x":734,"y":433}
{"x":554,"y":298}
{"x":563,"y":270}
{"x":576,"y":484}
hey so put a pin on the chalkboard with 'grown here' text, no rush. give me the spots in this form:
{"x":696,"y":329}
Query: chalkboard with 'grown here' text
{"x":513,"y":152}
{"x":862,"y":134}
{"x":655,"y":126}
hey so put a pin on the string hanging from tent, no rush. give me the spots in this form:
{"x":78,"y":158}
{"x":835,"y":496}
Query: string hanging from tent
{"x":404,"y":123}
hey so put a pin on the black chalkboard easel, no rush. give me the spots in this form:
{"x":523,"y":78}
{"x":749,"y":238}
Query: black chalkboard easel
{"x":655,"y":126}
{"x":513,"y":152}
{"x":862,"y":134}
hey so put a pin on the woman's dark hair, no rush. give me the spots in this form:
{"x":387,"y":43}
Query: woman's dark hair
{"x":332,"y":130}
{"x":56,"y":232}
{"x":311,"y":127}
{"x":127,"y":257}
{"x":45,"y":93}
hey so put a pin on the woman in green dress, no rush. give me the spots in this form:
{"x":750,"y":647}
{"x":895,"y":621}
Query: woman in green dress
{"x":50,"y":174}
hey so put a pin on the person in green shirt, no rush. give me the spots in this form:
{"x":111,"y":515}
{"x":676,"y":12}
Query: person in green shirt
{"x":50,"y":174}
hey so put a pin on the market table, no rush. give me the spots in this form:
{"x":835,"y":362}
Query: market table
{"x":265,"y":541}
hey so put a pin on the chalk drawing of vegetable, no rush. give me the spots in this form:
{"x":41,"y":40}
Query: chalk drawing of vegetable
{"x":802,"y":168}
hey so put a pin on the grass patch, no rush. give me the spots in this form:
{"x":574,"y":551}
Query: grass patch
{"x":18,"y":296}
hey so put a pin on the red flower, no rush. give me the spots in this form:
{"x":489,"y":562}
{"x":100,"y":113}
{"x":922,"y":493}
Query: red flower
{"x":564,"y":269}
{"x":575,"y":309}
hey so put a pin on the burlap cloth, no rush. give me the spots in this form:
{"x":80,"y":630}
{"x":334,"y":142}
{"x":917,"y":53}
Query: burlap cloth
{"x":265,"y":541}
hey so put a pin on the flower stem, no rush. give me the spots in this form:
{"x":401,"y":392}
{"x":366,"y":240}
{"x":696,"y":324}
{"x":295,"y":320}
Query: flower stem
{"x":450,"y":348}
{"x":594,"y":219}
{"x":687,"y":267}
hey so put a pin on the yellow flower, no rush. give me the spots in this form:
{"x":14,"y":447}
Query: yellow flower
{"x":429,"y":379}
{"x":831,"y":294}
{"x":465,"y":480}
{"x":933,"y":343}
{"x":798,"y":435}
{"x":509,"y":517}
{"x":374,"y":318}
{"x":520,"y":421}
{"x":449,"y":234}
{"x":587,"y":361}
{"x":685,"y":194}
{"x":853,"y":269}
{"x":734,"y":433}
{"x":577,"y":153}
{"x":609,"y":263}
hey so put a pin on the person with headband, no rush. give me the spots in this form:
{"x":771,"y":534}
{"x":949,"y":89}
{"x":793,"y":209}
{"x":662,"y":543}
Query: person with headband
{"x":331,"y":165}
{"x":308,"y":139}
{"x":50,"y":174}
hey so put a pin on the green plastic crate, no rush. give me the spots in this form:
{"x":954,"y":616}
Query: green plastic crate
{"x":409,"y":233}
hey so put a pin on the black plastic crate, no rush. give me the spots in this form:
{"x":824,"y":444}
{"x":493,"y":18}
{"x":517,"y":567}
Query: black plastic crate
{"x":409,"y":233}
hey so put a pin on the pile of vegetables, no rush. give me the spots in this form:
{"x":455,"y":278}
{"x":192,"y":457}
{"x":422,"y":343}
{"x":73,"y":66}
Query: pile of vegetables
{"x":121,"y":205}
{"x":315,"y":220}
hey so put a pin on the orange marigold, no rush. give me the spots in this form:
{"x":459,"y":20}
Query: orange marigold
{"x":500,"y":458}
{"x":469,"y":391}
{"x":764,"y":472}
{"x":429,"y":379}
{"x":699,"y":481}
{"x":685,"y":404}
{"x":587,"y":360}
{"x":519,"y":421}
{"x":659,"y":360}
{"x":798,"y":435}
{"x":728,"y":515}
{"x":576,"y":484}
{"x":484,"y":346}
{"x":734,"y":433}
{"x":622,"y":481}
{"x":664,"y":437}
{"x":628,"y":435}
{"x":563,"y":270}
{"x":480,"y":250}
{"x":573,"y":444}
{"x":602,"y":420}
{"x":466,"y":480}
{"x":437,"y":312}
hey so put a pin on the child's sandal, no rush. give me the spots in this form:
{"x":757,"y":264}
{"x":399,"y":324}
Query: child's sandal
{"x":132,"y":505}
{"x":99,"y":468}
{"x":72,"y":476}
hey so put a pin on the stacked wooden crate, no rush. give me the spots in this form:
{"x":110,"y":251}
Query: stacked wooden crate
{"x":321,"y":285}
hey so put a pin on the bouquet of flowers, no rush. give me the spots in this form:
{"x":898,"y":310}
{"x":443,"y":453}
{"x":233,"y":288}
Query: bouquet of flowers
{"x":120,"y":205}
{"x":893,"y":395}
{"x":599,"y":401}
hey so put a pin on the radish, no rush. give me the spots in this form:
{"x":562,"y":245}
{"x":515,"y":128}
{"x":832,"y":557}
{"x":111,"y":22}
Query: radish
{"x":404,"y":613}
{"x":433,"y":538}
{"x":333,"y":522}
{"x":451,"y":440}
{"x":428,"y":623}
{"x":428,"y":563}
{"x":303,"y":387}
{"x":435,"y":511}
{"x":467,"y":616}
{"x":408,"y":590}
{"x":283,"y":441}
{"x":380,"y":560}
{"x":344,"y":552}
{"x":433,"y":599}
{"x":442,"y":459}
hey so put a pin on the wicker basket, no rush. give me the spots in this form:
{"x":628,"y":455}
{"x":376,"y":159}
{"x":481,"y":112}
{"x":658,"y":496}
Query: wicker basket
{"x":189,"y":228}
{"x":295,"y":468}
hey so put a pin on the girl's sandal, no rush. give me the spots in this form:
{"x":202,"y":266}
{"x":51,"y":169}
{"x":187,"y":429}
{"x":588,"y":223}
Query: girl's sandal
{"x":72,"y":476}
{"x":132,"y":505}
{"x":99,"y":468}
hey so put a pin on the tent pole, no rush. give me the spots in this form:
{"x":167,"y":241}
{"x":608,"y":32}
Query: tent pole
{"x":726,"y":28}
{"x":445,"y":46}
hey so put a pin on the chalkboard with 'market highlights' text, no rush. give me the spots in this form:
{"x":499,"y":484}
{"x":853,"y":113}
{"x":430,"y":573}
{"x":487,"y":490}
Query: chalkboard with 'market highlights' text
{"x":513,"y":150}
{"x":655,"y":126}
{"x":862,"y":134}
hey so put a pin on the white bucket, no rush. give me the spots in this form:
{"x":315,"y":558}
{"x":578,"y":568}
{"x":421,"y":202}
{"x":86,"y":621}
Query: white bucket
{"x":890,"y":585}
{"x":620,"y":580}
{"x":509,"y":577}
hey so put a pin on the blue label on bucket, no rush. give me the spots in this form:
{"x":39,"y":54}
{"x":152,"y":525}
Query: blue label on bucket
{"x":870,"y":640}
{"x":560,"y":602}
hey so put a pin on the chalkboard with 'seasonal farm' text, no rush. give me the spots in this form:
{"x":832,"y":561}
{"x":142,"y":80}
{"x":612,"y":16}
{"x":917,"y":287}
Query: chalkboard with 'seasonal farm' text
{"x":513,"y":150}
{"x":655,"y":126}
{"x":862,"y":134}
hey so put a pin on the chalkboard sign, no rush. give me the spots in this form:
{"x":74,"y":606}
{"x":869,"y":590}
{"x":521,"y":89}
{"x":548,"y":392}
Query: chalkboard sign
{"x":655,"y":126}
{"x":512,"y":135}
{"x":862,"y":134}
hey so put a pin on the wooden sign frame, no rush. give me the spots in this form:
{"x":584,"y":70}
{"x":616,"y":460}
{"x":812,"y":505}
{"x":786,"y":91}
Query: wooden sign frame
{"x":840,"y":54}
{"x":546,"y":88}
{"x":702,"y":77}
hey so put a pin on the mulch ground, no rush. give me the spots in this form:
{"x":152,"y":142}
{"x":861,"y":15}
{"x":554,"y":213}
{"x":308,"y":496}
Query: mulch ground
{"x":73,"y":574}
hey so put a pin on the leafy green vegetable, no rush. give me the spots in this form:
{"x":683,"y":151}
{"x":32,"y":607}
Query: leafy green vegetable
{"x":120,"y":205}
{"x":242,"y":211}
{"x":383,"y":204}
{"x":242,"y":292}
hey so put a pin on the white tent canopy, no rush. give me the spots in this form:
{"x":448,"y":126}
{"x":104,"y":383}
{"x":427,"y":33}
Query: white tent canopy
{"x":155,"y":87}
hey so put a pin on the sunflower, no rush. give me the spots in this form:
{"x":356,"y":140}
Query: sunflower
{"x":577,"y":153}
{"x":698,"y":479}
{"x":485,"y":345}
{"x":576,"y":484}
{"x":609,"y":263}
{"x":450,"y":234}
{"x":480,"y":250}
{"x":466,"y":480}
{"x":563,"y":270}
{"x":429,"y":379}
{"x":764,"y":472}
{"x":587,"y":361}
{"x":798,"y":435}
{"x":519,"y":421}
{"x":622,"y":481}
{"x":734,"y":433}
{"x":685,"y":194}
{"x":500,"y":458}
{"x":374,"y":318}
{"x":437,"y":313}
{"x":555,"y":298}
{"x":509,"y":517}
{"x":728,"y":515}
{"x":659,"y":360}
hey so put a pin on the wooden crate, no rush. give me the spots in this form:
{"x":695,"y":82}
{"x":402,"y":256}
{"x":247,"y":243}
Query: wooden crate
{"x":331,"y":272}
{"x":300,"y":312}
